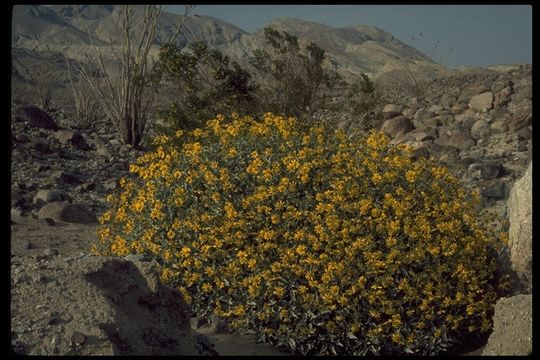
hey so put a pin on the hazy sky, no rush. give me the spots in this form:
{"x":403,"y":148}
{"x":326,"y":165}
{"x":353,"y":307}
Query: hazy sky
{"x":475,"y":35}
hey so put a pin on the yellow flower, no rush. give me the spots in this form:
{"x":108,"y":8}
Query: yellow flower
{"x":185,"y":252}
{"x":242,"y":256}
{"x":207,"y":288}
{"x":279,"y":291}
{"x":300,"y":249}
{"x":396,"y":337}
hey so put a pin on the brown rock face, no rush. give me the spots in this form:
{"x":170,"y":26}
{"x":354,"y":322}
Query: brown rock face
{"x":520,"y":230}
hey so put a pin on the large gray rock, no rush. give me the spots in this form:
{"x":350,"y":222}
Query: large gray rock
{"x":522,"y":116}
{"x":519,"y":209}
{"x":66,"y":212}
{"x":73,"y":138}
{"x":491,"y":170}
{"x":480,"y":130}
{"x":482,"y":103}
{"x":67,"y":177}
{"x":46,"y":196}
{"x":391,"y":111}
{"x":101,"y":148}
{"x":35,"y":117}
{"x":512,"y":327}
{"x":458,"y":137}
{"x":99,"y":306}
{"x":397,"y":125}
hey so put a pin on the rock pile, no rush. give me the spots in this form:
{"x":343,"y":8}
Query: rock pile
{"x":50,"y":164}
{"x":479,"y":125}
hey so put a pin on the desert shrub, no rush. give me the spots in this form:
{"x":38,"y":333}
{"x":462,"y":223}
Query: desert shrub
{"x":203,"y":82}
{"x":312,"y":241}
{"x":294,"y":78}
{"x":364,"y":101}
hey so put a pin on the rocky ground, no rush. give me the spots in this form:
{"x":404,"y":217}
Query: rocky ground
{"x":64,"y":301}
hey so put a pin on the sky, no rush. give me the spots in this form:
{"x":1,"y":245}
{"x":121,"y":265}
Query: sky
{"x":473,"y":35}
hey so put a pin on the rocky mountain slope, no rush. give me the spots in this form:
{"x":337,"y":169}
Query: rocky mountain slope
{"x":353,"y":49}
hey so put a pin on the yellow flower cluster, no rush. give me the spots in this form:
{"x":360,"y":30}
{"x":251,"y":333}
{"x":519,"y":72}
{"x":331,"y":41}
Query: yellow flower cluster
{"x":325,"y":244}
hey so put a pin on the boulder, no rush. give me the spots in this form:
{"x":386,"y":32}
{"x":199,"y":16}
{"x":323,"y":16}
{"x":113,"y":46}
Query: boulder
{"x":491,"y":170}
{"x":458,"y":137}
{"x":480,"y":130}
{"x":391,"y":111}
{"x":525,"y":133}
{"x":66,"y":177}
{"x":101,"y":148}
{"x":100,"y":306}
{"x":43,"y":147}
{"x":421,"y":114}
{"x":495,"y":190}
{"x":468,"y":121}
{"x":519,"y":208}
{"x":512,"y":327}
{"x":503,"y":97}
{"x":46,"y":196}
{"x":523,"y":90}
{"x":482,"y":103}
{"x":111,"y":184}
{"x":499,"y":126}
{"x":520,"y":120}
{"x":436,"y":109}
{"x":66,"y":212}
{"x":35,"y":117}
{"x":397,"y":125}
{"x":522,"y":116}
{"x":70,"y":137}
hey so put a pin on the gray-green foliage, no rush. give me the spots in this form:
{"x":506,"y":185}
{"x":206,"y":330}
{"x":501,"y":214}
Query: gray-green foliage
{"x":293,"y":78}
{"x":204,"y":83}
{"x":363,"y":101}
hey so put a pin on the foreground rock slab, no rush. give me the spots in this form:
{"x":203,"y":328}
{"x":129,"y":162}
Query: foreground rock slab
{"x":96,"y":306}
{"x":512,"y":327}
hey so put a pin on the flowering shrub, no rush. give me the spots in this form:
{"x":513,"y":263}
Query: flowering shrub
{"x":313,"y":241}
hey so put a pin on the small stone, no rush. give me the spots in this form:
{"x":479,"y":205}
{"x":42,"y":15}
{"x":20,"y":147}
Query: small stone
{"x":17,"y":345}
{"x":50,"y":252}
{"x":111,"y":184}
{"x":482,"y":103}
{"x":55,"y":341}
{"x":136,"y":257}
{"x":26,"y":245}
{"x":78,"y":338}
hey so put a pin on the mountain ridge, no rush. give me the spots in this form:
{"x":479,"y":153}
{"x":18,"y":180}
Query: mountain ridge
{"x":355,"y":49}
